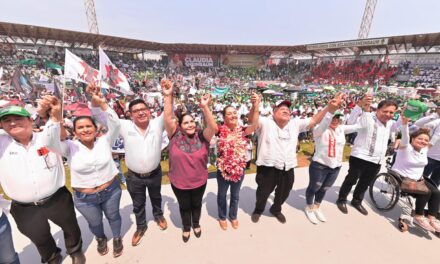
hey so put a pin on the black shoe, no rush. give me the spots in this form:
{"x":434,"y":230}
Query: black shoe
{"x":255,"y":217}
{"x":186,"y":238}
{"x":78,"y":258}
{"x":56,"y":258}
{"x":359,"y":207}
{"x":197,"y":233}
{"x":280,"y":217}
{"x":117,"y":247}
{"x":102,"y":246}
{"x":342,"y":206}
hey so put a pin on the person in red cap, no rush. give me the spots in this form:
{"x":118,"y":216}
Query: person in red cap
{"x":276,"y":154}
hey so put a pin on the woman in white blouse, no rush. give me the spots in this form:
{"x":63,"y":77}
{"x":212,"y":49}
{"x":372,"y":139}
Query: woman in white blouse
{"x":411,"y":159}
{"x":329,"y":139}
{"x":93,"y":172}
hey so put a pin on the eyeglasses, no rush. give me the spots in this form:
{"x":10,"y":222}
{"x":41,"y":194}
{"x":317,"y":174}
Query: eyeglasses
{"x":136,"y":111}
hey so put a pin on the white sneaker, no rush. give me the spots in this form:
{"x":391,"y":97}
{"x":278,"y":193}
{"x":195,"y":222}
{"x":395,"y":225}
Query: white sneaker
{"x":320,"y":215}
{"x":423,"y":222}
{"x":311,"y":215}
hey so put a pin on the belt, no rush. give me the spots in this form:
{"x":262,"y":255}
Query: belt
{"x":37,"y":203}
{"x":147,"y":174}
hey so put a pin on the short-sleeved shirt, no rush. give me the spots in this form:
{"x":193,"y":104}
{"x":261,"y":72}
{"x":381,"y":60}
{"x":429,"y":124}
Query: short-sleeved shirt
{"x":188,"y":157}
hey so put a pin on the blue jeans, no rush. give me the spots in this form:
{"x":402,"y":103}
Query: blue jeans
{"x":223,"y":186}
{"x":7,"y":251}
{"x":91,"y":206}
{"x":433,"y":170}
{"x":321,"y":179}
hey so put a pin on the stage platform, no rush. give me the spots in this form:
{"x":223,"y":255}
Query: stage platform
{"x":351,"y":238}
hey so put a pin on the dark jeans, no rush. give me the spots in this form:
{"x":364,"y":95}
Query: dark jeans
{"x":137,"y":187}
{"x":107,"y":201}
{"x":223,"y":186}
{"x":321,"y":179}
{"x":433,"y":169}
{"x":32,"y":221}
{"x":432,"y":199}
{"x":190,"y":206}
{"x":7,"y":251}
{"x":269,"y":179}
{"x":361,"y":170}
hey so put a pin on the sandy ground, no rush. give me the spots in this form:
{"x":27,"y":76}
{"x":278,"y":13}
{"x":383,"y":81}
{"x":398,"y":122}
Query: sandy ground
{"x":352,"y":238}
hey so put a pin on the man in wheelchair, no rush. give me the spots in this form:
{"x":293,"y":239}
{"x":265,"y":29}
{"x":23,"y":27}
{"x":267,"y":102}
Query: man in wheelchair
{"x":411,"y":159}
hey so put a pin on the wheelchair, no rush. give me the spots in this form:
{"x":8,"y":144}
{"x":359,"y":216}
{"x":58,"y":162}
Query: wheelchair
{"x":385,"y":194}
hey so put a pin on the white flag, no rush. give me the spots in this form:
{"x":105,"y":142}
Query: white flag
{"x":1,"y":73}
{"x":110,"y":76}
{"x":77,"y":69}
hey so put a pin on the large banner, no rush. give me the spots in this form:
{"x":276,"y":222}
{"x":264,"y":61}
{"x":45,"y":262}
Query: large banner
{"x":192,"y":60}
{"x":348,"y":44}
{"x":242,"y":60}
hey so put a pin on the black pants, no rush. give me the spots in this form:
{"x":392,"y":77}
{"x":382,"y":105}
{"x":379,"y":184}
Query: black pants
{"x":432,"y":170}
{"x":32,"y":221}
{"x":137,"y":188}
{"x":432,"y":199}
{"x":190,"y":206}
{"x":361,"y":170}
{"x":269,"y":179}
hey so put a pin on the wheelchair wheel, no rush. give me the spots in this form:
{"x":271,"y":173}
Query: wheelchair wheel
{"x":384,"y":191}
{"x":403,"y":227}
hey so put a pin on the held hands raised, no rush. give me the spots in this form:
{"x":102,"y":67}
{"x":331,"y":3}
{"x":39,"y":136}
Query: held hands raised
{"x":50,"y":105}
{"x":94,"y":91}
{"x":335,"y":103}
{"x":255,"y":100}
{"x":205,"y":100}
{"x":167,"y":87}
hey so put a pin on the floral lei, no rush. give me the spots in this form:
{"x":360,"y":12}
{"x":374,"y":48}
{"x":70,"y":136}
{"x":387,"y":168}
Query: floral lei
{"x":232,"y":153}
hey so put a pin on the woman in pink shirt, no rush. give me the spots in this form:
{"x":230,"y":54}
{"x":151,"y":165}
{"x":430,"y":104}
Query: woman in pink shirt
{"x":188,"y":157}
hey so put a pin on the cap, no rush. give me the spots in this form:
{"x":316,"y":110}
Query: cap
{"x":14,"y":110}
{"x":285,"y":102}
{"x":338,"y":115}
{"x":415,"y":109}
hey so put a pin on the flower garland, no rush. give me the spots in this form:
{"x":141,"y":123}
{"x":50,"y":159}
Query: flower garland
{"x":232,"y":153}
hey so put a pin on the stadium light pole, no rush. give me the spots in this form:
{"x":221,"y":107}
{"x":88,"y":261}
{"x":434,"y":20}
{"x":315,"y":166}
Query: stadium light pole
{"x":91,"y":16}
{"x":367,"y":19}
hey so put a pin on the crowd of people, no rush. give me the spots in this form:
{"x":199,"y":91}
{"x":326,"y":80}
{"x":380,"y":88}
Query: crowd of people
{"x":185,"y":118}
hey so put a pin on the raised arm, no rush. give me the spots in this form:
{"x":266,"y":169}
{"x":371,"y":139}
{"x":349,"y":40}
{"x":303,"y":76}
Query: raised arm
{"x":168,"y":115}
{"x":211,"y":126}
{"x":254,"y":114}
{"x":106,"y":114}
{"x":404,"y":142}
{"x":331,"y":107}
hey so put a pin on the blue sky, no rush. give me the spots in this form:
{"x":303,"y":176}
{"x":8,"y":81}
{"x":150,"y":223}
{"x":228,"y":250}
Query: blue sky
{"x":265,"y":22}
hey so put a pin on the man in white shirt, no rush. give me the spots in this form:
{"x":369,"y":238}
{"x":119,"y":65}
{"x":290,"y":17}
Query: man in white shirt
{"x":276,"y":156}
{"x":7,"y":251}
{"x":34,"y":178}
{"x":368,"y":151}
{"x":143,"y":145}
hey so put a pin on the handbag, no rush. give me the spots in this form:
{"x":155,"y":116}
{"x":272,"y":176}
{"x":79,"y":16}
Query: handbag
{"x":412,"y":186}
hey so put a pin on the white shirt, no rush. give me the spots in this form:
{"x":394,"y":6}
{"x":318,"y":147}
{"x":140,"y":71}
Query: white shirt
{"x":26,"y":176}
{"x":90,"y":168}
{"x":372,"y":139}
{"x":324,"y":153}
{"x":409,"y":162}
{"x":277,"y":146}
{"x":142,"y":152}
